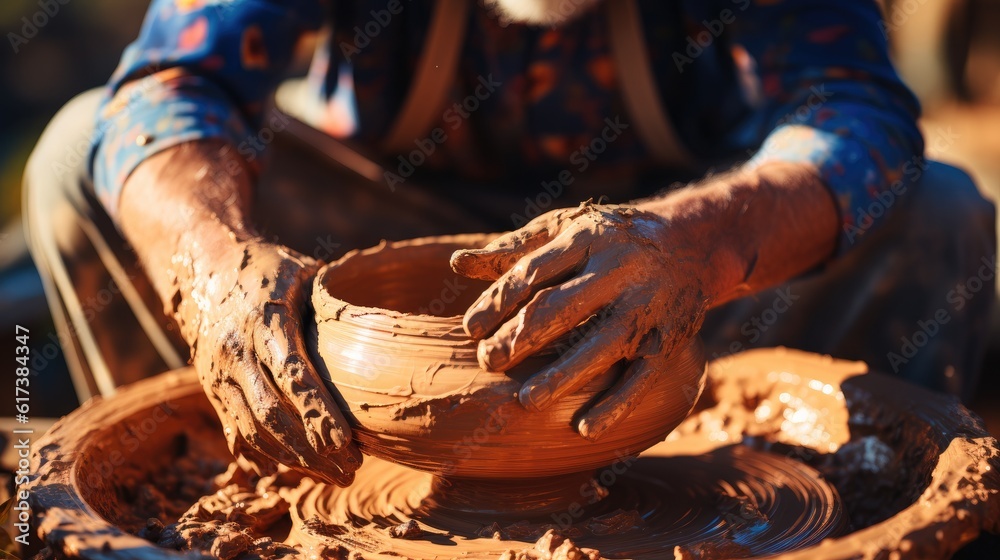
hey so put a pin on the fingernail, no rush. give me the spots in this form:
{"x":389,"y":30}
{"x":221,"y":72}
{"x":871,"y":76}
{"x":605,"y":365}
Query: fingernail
{"x":473,"y":252}
{"x":594,"y":426}
{"x":463,"y":255}
{"x":493,"y":355}
{"x":330,"y":444}
{"x":535,"y":398}
{"x":338,"y":438}
{"x":474,"y":325}
{"x":590,"y":431}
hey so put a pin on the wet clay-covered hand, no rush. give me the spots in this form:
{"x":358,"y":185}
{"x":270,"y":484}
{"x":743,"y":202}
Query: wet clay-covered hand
{"x":239,"y":302}
{"x":632,"y":278}
{"x":245,"y":330}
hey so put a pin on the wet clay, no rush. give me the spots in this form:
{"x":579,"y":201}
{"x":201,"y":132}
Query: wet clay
{"x":732,"y":498}
{"x":777,"y":438}
{"x":241,"y":315}
{"x":572,"y":264}
{"x":391,"y":342}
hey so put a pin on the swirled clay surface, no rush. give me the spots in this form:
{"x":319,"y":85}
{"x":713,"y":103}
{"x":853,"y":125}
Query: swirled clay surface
{"x":916,"y":474}
{"x":731,"y":500}
{"x":390,"y":340}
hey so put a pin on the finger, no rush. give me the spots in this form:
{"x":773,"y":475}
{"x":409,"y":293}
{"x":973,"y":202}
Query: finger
{"x":244,"y":435}
{"x":533,"y":271}
{"x":277,"y":432}
{"x":552,"y":313}
{"x":261,"y":430}
{"x":610,"y":341}
{"x":228,"y":413}
{"x":234,"y":440}
{"x":253,"y":440}
{"x":490,"y":262}
{"x":279,"y":344}
{"x":283,"y":337}
{"x":246,"y":456}
{"x":611,"y":410}
{"x":263,"y":418}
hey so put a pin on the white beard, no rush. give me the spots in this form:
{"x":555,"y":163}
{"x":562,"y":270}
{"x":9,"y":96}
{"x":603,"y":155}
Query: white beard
{"x":542,"y":12}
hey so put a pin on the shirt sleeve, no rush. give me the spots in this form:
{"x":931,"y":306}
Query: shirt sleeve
{"x":827,"y":94}
{"x":199,"y":69}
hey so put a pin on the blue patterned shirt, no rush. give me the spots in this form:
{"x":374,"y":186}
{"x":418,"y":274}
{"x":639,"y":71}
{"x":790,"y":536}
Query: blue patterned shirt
{"x":765,"y":80}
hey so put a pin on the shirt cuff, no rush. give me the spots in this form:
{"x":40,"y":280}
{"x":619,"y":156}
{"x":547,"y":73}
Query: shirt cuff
{"x":863,"y":182}
{"x":151,"y":114}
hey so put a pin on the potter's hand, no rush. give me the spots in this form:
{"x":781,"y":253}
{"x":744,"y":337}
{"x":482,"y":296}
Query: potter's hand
{"x":249,"y":352}
{"x":623,"y":269}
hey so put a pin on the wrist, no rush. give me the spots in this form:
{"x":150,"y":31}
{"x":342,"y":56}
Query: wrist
{"x":186,"y":220}
{"x":752,"y":228}
{"x":703,"y":229}
{"x":719,"y":262}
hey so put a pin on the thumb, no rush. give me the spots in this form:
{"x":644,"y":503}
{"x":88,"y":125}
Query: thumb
{"x":496,"y":258}
{"x":478,"y":264}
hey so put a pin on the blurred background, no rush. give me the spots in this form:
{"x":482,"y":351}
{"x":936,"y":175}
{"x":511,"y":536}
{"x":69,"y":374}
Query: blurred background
{"x":947,"y":50}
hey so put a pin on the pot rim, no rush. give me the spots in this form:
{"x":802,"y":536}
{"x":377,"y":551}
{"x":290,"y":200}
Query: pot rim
{"x":323,"y":299}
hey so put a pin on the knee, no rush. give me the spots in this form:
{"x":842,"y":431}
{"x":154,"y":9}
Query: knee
{"x":59,"y":163}
{"x":948,"y":197}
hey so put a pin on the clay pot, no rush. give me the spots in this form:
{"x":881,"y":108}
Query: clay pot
{"x":390,"y":342}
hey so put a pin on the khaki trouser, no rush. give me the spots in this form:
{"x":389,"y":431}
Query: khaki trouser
{"x":913,"y":300}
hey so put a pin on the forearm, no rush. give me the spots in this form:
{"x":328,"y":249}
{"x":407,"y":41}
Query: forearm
{"x":752,"y":228}
{"x":185,"y":212}
{"x":238,"y":302}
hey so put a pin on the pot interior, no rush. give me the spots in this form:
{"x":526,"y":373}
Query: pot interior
{"x":412,"y":279}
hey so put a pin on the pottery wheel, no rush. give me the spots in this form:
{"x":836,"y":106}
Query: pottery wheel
{"x":916,"y":474}
{"x":732,"y":501}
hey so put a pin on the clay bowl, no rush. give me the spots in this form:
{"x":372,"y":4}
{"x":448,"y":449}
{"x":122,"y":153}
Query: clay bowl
{"x":390,"y":342}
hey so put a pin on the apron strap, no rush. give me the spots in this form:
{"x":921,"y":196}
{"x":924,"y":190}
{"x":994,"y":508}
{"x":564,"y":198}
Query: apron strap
{"x":434,"y":76}
{"x":642,"y":98}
